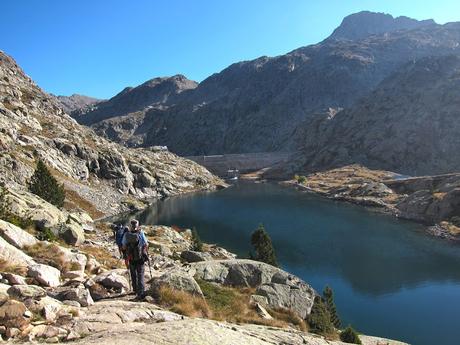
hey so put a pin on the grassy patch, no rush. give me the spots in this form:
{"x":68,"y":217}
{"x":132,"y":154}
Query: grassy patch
{"x":103,"y":256}
{"x":183,"y":303}
{"x":290,"y":317}
{"x":49,"y":254}
{"x":233,"y":305}
{"x":7,"y":267}
{"x":74,"y":201}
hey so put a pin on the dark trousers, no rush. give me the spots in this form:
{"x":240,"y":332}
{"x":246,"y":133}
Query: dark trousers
{"x":137,"y":278}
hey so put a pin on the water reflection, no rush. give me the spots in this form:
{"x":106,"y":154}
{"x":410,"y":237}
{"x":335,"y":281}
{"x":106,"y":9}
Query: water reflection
{"x":376,"y":254}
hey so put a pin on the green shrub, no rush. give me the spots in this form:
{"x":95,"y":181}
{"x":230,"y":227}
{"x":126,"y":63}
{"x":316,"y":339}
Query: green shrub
{"x":23,"y":223}
{"x":300,"y":178}
{"x":263,"y":247}
{"x":350,"y":336}
{"x":197,"y":245}
{"x":43,"y":184}
{"x":46,"y":234}
{"x":319,"y":319}
{"x":328,"y":295}
{"x":218,"y":297}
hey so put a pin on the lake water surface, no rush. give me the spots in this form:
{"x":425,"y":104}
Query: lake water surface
{"x":389,"y":277}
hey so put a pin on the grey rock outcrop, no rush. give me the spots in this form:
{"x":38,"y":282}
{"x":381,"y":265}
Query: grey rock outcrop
{"x":13,"y":255}
{"x":16,"y":236}
{"x":193,"y":256}
{"x":281,"y":289}
{"x":177,"y":280}
{"x":23,"y":292}
{"x":72,"y":233}
{"x":45,"y":275}
{"x":242,"y":272}
{"x":76,"y":293}
{"x":113,"y":280}
{"x":14,"y":279}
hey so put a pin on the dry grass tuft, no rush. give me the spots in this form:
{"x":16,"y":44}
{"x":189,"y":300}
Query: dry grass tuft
{"x":49,"y":254}
{"x":73,"y":201}
{"x":183,"y":303}
{"x":103,"y":256}
{"x":7,"y":267}
{"x":233,"y":305}
{"x":290,"y":317}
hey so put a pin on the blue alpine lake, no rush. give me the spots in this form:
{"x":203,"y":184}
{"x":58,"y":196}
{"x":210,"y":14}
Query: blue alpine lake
{"x":390,"y":278}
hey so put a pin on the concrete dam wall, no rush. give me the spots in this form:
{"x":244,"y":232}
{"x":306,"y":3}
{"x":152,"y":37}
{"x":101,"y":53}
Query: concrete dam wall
{"x":244,"y":162}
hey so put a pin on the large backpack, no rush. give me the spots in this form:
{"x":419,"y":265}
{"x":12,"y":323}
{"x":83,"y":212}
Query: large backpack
{"x":119,"y":235}
{"x":133,"y":246}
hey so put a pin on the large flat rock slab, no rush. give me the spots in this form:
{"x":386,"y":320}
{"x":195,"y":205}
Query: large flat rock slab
{"x":206,"y":332}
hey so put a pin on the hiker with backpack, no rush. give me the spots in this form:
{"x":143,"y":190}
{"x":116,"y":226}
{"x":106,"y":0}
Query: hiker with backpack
{"x":119,"y":232}
{"x":135,"y":249}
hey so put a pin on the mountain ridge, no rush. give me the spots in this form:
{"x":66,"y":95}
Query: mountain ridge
{"x":365,"y":23}
{"x":267,"y":104}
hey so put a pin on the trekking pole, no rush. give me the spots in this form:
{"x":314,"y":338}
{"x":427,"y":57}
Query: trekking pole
{"x":129,"y":275}
{"x":150,"y":267}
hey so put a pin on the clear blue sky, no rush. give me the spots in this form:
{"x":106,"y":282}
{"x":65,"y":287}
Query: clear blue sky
{"x":98,"y":47}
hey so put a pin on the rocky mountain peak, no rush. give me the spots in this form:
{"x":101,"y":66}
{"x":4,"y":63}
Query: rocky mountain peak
{"x":178,"y":81}
{"x":362,"y":24}
{"x":157,"y":92}
{"x":76,"y":102}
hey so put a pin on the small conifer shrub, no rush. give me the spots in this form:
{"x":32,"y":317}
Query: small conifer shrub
{"x":319,"y":319}
{"x":328,"y":296}
{"x":350,"y":336}
{"x":197,"y":245}
{"x":43,"y":184}
{"x":263,"y":247}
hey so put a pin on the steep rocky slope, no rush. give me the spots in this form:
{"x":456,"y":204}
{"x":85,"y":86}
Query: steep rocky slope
{"x":76,"y":102}
{"x":409,"y":124}
{"x":259,"y":105}
{"x":94,"y":170}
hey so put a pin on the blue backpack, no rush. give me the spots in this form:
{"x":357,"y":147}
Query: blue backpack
{"x":119,"y":234}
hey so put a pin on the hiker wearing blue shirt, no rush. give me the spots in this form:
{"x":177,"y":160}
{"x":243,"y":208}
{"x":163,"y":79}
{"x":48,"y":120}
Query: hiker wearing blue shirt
{"x":135,"y":247}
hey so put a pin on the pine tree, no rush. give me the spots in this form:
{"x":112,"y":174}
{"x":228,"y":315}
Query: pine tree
{"x":328,"y":295}
{"x":197,"y":245}
{"x":263,"y":246}
{"x":319,"y":319}
{"x":46,"y":186}
{"x":350,"y":336}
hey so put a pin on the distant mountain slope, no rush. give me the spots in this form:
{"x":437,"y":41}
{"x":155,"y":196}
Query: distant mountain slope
{"x":362,"y":24}
{"x":260,"y":105}
{"x":157,"y":92}
{"x":76,"y":102}
{"x":410,"y":124}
